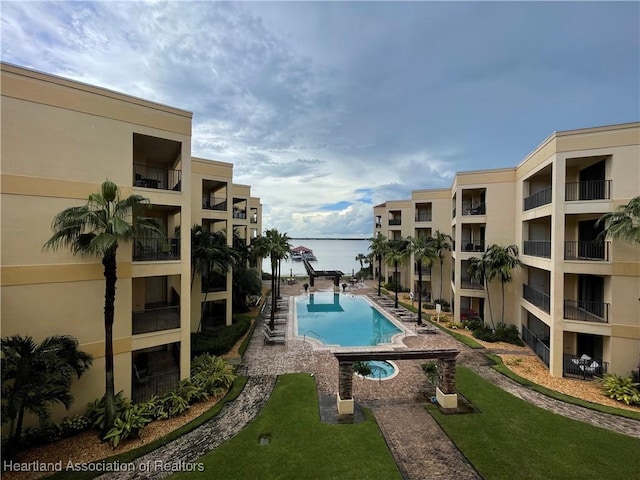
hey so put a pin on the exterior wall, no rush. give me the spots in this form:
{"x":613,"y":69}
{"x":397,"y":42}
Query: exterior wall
{"x":60,"y":140}
{"x":551,"y":224}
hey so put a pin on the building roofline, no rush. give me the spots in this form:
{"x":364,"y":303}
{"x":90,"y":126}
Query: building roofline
{"x":93,"y":89}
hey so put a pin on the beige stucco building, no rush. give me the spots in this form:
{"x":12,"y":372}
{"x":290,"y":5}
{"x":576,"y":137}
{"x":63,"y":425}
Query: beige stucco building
{"x":60,"y":140}
{"x":575,"y":295}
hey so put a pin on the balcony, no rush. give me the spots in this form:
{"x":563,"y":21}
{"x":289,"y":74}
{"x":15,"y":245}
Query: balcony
{"x":155,"y":249}
{"x":537,"y":298}
{"x":583,"y":367}
{"x":214,"y":282}
{"x":147,"y":386}
{"x":470,"y":283}
{"x":591,"y":190}
{"x":539,"y":346}
{"x":156,"y":319}
{"x":586,"y":311}
{"x":214,"y":203}
{"x":254,"y":218}
{"x":586,"y":250}
{"x":395,"y":221}
{"x":157,"y":177}
{"x":474,"y":209}
{"x":543,"y":197}
{"x":453,"y":212}
{"x":423,"y":216}
{"x":239,"y":213}
{"x":471,"y":247}
{"x":537,"y":248}
{"x":426,"y":271}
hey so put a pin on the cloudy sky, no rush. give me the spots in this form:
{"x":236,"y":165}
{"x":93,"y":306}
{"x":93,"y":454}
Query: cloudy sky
{"x":327,"y":109}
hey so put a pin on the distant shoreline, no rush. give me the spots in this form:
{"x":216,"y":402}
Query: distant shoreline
{"x":320,"y":238}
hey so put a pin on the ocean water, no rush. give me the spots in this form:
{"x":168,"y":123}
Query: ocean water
{"x":332,"y":254}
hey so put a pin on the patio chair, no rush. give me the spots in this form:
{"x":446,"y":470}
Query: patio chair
{"x":273,"y":333}
{"x":272,"y":339}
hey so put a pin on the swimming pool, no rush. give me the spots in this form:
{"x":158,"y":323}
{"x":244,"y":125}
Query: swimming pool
{"x":342,"y":319}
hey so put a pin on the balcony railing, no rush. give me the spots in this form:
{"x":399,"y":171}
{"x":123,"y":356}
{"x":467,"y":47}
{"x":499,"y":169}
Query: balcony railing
{"x":395,"y":221}
{"x":470,"y":283}
{"x":156,"y":319}
{"x":156,"y":177}
{"x":474,"y":209}
{"x":534,"y":297}
{"x":425,"y":271}
{"x":215,"y":282}
{"x":586,"y":250}
{"x":156,"y":249}
{"x":586,"y":311}
{"x":537,"y":248}
{"x":146,"y":386}
{"x":472,"y":247}
{"x":214,"y":203}
{"x":254,"y":218}
{"x":591,"y":190}
{"x":538,"y":346}
{"x":242,"y":214}
{"x":543,"y":197}
{"x":583,"y":367}
{"x":423,"y":216}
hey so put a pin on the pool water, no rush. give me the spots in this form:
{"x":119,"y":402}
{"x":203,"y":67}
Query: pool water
{"x":342,"y":319}
{"x":381,"y":370}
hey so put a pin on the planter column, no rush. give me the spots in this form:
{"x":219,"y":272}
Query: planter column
{"x":345,"y":402}
{"x":446,"y":393}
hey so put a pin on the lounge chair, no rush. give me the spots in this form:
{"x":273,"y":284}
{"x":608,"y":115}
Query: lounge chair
{"x":272,"y":339}
{"x":273,"y":333}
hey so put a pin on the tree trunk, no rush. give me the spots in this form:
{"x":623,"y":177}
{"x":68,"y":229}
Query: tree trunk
{"x":379,"y":273}
{"x":274,"y":299}
{"x":489,"y":301}
{"x":502,"y":315}
{"x":419,"y":293}
{"x":441,"y":262}
{"x":17,"y":434}
{"x":109,"y":262}
{"x":395,"y":274}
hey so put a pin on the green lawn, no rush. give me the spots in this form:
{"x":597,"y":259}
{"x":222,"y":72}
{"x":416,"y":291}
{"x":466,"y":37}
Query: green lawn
{"x":301,"y":447}
{"x":513,"y":439}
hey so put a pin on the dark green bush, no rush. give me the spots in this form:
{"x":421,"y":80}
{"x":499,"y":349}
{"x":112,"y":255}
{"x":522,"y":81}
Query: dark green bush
{"x":502,"y":333}
{"x":622,"y":389}
{"x":219,"y":340}
{"x":442,"y":302}
{"x":473,"y":323}
{"x":96,"y":410}
{"x":484,"y":333}
{"x":391,"y":287}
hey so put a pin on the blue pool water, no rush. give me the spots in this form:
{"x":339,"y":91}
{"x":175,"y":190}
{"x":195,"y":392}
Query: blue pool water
{"x":342,"y":319}
{"x":381,"y":370}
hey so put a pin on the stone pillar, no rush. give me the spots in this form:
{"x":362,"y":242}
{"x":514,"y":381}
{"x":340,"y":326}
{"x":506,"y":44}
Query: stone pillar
{"x":311,"y":278}
{"x":345,"y":381}
{"x":448,"y":384}
{"x":336,"y":280}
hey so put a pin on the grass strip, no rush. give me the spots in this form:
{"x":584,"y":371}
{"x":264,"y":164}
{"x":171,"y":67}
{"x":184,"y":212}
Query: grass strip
{"x":131,"y":455}
{"x":300,"y":446}
{"x":512,"y":439}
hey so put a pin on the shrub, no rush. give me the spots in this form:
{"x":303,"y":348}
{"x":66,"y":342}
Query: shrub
{"x":442,"y":302}
{"x":362,"y":368}
{"x":220,"y":340}
{"x":485,"y":333}
{"x":433,"y":373}
{"x":622,"y":389}
{"x":473,"y":323}
{"x":129,"y":423}
{"x":212,"y":374}
{"x":96,"y":410}
{"x":508,"y":334}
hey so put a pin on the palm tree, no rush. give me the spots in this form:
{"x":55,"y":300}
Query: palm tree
{"x":276,"y":246}
{"x":501,"y":262}
{"x":441,"y":244}
{"x":397,"y":254}
{"x":624,"y":223}
{"x":219,"y":258}
{"x":34,"y":376}
{"x":361,"y":257}
{"x":378,"y":247}
{"x":95,"y":229}
{"x":477,"y":269}
{"x":423,"y":252}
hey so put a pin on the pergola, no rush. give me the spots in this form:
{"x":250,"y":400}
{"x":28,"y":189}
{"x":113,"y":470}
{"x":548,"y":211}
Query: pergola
{"x":445,"y":394}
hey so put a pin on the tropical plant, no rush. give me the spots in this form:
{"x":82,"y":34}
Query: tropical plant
{"x":246,"y":282}
{"x":423,"y":252}
{"x":276,"y":246}
{"x":94,"y":229}
{"x":362,"y":368}
{"x":433,"y":372}
{"x":501,"y":262}
{"x":361,"y":257}
{"x":622,"y":389}
{"x":397,"y":254}
{"x":129,"y":423}
{"x":477,"y":269}
{"x":378,"y":247}
{"x":624,"y":223}
{"x":35,"y":376}
{"x":441,"y":244}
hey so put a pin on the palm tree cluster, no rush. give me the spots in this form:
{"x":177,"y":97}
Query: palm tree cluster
{"x":274,"y":245}
{"x":35,"y":376}
{"x":624,"y":223}
{"x":497,"y":262}
{"x":397,"y":252}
